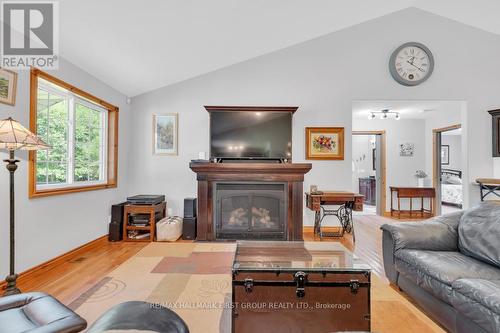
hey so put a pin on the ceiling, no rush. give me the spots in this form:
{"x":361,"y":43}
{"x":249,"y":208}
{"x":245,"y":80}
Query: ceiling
{"x":137,"y":46}
{"x":406,"y":109}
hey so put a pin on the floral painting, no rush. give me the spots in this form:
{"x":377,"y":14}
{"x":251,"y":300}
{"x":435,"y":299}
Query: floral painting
{"x":165,"y":134}
{"x":325,"y":143}
{"x":8,"y":83}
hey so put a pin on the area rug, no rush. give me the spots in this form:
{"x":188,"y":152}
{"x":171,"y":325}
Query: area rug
{"x":194,"y":280}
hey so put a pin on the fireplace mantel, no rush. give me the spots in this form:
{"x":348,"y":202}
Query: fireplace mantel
{"x":290,"y":173}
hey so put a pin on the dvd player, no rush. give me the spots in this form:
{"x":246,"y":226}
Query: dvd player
{"x":146,"y":199}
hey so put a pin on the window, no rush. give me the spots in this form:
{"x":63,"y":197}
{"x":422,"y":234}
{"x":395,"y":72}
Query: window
{"x":82,"y":132}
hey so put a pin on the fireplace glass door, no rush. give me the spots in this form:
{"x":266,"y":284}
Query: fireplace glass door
{"x":250,"y":211}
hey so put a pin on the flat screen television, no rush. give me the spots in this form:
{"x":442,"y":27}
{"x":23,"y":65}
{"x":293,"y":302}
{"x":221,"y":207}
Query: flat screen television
{"x":250,"y":135}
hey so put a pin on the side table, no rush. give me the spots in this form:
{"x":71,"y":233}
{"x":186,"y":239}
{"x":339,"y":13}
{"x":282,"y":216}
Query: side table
{"x":143,"y":209}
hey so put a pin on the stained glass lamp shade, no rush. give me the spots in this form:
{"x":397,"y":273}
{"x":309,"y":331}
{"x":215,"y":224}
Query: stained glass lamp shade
{"x":14,"y":136}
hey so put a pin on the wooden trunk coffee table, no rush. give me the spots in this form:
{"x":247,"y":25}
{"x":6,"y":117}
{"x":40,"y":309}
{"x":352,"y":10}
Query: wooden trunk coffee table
{"x":299,"y":287}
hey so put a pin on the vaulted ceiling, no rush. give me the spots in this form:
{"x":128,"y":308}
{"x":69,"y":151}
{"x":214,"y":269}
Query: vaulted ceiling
{"x":138,"y":46}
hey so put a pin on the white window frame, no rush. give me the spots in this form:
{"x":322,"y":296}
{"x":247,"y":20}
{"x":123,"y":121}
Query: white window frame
{"x":74,"y":99}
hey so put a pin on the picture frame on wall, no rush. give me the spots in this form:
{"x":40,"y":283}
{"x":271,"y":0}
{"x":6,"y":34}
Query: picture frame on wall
{"x":445,"y":155}
{"x":165,"y":134}
{"x":8,"y":86}
{"x":406,"y":149}
{"x":325,"y":143}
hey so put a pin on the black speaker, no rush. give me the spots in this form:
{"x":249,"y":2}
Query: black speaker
{"x":190,"y":207}
{"x":116,"y":224}
{"x":189,"y":228}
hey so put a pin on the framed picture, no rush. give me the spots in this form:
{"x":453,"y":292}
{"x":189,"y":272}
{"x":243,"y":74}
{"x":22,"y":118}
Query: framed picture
{"x":8,"y":84}
{"x":374,"y":159}
{"x":324,"y":143}
{"x":445,"y":154}
{"x":406,"y":149}
{"x":165,"y":134}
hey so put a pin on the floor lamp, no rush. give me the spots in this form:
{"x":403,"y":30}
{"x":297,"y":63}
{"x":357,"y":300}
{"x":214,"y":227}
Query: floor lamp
{"x":13,"y":136}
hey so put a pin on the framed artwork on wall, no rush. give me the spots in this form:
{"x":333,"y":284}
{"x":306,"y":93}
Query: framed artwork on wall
{"x":8,"y":84}
{"x":324,"y":143}
{"x":445,"y":154}
{"x":165,"y":134}
{"x":406,"y":149}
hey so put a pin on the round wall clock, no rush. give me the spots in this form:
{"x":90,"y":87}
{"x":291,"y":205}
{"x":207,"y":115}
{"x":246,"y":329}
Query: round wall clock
{"x":411,"y":64}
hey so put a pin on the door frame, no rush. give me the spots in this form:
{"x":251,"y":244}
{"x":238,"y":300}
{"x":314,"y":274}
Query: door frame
{"x":383,"y":165}
{"x":435,"y":166}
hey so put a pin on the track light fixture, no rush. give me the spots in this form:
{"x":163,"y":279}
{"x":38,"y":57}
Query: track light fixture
{"x":384,"y":114}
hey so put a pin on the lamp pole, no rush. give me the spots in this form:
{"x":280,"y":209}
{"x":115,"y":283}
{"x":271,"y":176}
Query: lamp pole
{"x":12,"y":277}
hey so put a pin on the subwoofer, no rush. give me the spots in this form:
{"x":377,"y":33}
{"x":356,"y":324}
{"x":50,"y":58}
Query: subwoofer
{"x":190,"y":207}
{"x":189,"y":228}
{"x":116,"y":224}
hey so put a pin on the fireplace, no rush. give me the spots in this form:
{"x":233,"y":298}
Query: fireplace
{"x":246,"y":210}
{"x":277,"y":182}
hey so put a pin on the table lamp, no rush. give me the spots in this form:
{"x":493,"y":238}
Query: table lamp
{"x":13,"y":136}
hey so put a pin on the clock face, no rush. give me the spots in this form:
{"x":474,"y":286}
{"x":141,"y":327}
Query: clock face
{"x":411,"y":64}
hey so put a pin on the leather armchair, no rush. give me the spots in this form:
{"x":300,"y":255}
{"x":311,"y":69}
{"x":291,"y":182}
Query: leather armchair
{"x":37,"y":313}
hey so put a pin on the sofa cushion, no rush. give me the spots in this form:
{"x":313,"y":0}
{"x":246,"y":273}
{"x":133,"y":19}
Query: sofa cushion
{"x":435,"y":271}
{"x":478,"y":232}
{"x":478,"y":300}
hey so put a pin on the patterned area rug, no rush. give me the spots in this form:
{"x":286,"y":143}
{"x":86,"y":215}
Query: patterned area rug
{"x":194,"y":280}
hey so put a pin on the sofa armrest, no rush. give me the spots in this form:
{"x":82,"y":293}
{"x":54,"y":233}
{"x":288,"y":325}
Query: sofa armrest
{"x":19,"y":300}
{"x":437,"y":234}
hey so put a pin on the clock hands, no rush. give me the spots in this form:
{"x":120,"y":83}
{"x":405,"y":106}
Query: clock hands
{"x":412,"y":63}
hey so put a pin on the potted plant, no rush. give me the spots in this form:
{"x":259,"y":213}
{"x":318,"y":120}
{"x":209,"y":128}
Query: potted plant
{"x":421,"y":175}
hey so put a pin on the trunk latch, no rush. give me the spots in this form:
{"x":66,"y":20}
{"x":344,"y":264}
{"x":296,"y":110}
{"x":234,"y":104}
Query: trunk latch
{"x":248,"y":285}
{"x":300,"y":280}
{"x":354,"y":284}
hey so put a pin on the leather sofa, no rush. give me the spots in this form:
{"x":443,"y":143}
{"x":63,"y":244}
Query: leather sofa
{"x":450,"y":266}
{"x":37,"y":312}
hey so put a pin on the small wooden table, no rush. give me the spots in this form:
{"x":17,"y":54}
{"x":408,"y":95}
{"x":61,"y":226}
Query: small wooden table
{"x":143,"y":209}
{"x":411,"y":193}
{"x":347,"y":202}
{"x":490,"y":185}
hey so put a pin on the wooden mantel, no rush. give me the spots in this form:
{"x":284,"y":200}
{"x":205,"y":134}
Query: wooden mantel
{"x":290,"y":173}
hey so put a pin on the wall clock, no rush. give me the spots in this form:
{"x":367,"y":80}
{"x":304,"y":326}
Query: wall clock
{"x":411,"y":64}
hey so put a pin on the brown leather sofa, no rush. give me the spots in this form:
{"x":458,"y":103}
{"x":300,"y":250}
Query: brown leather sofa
{"x":37,"y":312}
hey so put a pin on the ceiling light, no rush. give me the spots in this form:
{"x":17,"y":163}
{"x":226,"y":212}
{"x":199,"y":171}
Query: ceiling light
{"x":384,"y":114}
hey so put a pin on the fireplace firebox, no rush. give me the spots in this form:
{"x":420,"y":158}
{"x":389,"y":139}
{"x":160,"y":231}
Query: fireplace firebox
{"x":250,"y":211}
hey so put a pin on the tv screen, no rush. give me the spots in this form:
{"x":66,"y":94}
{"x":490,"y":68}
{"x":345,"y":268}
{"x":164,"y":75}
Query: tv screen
{"x":250,"y":135}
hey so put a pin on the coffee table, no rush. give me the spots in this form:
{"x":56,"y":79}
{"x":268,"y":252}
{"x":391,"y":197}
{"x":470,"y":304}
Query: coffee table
{"x":299,"y":287}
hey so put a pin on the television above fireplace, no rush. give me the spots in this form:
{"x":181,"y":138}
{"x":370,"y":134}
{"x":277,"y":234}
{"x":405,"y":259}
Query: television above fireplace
{"x":251,"y":133}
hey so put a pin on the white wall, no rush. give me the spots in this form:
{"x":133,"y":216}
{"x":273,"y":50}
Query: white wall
{"x":400,"y":169}
{"x":455,"y":143}
{"x":323,"y":77}
{"x":48,"y":227}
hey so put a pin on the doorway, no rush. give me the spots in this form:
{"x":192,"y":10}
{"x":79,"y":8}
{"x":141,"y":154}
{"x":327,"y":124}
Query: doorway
{"x":448,"y":169}
{"x":369,"y":169}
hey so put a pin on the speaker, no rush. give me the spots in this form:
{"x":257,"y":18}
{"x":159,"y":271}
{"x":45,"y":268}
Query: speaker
{"x":189,"y":228}
{"x":190,"y":207}
{"x":116,"y":224}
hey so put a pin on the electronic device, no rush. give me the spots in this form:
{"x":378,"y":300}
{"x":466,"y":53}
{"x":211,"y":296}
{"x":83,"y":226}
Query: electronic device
{"x":146,"y":199}
{"x":190,"y":207}
{"x":116,"y":224}
{"x":250,"y":135}
{"x":189,"y":228}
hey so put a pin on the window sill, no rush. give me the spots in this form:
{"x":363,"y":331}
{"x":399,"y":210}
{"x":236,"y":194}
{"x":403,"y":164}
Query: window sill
{"x":66,"y":190}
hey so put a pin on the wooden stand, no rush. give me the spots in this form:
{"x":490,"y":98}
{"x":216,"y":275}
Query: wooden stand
{"x":143,"y":209}
{"x":411,"y":193}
